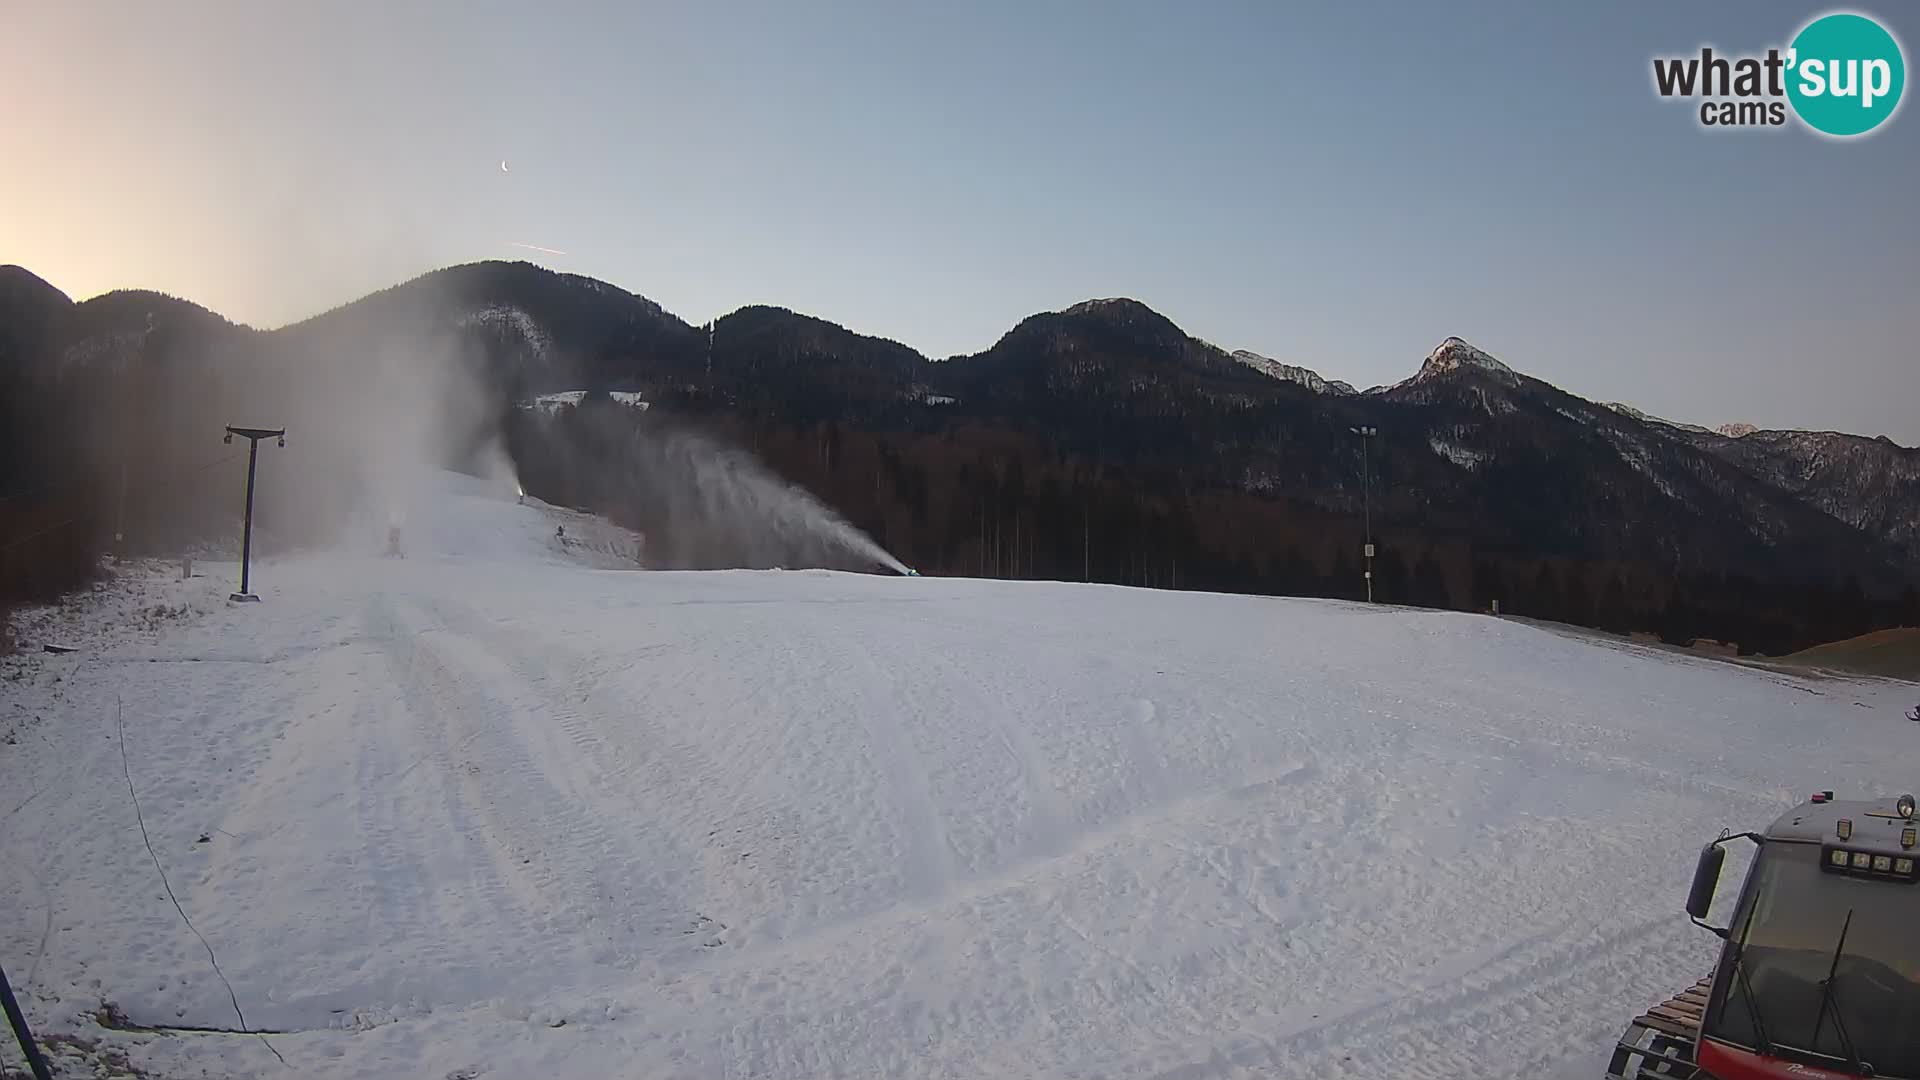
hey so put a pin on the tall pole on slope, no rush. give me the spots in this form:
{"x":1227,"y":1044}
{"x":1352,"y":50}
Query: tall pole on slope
{"x":1366,"y":498}
{"x":21,"y":1032}
{"x":253,"y":437}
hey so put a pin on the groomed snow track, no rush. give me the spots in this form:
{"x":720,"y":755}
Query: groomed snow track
{"x":487,"y":811}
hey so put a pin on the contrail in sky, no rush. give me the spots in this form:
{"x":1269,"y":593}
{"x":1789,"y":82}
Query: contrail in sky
{"x":535,"y":247}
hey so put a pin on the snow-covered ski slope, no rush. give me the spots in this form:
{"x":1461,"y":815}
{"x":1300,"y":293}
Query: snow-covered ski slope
{"x":486,"y":811}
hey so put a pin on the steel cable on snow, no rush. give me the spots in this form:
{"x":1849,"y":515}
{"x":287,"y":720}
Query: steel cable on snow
{"x":120,"y":719}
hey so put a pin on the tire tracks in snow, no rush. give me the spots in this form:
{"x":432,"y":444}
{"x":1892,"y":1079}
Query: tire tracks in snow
{"x":409,"y":818}
{"x":1451,"y":1028}
{"x":1052,"y":828}
{"x":542,"y":782}
{"x":930,"y":855}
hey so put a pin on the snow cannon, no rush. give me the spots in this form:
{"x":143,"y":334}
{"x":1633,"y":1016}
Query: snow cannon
{"x":910,"y":572}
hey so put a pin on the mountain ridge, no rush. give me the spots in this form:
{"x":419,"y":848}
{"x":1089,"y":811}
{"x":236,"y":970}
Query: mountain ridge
{"x":1240,"y":471}
{"x":1452,"y":353}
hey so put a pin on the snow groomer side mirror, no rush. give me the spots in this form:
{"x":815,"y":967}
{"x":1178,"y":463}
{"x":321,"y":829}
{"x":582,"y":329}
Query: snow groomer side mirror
{"x":1706,"y":878}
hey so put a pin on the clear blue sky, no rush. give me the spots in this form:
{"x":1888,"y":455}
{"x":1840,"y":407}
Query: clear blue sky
{"x":1335,"y":185}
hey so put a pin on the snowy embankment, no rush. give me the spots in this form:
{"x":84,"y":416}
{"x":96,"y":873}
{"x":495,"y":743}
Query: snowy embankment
{"x":488,"y":811}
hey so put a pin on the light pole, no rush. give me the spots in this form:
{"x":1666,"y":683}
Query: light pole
{"x":1367,"y":435}
{"x":253,"y":437}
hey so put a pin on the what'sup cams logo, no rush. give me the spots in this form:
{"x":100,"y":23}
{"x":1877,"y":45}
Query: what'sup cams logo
{"x":1842,"y":75}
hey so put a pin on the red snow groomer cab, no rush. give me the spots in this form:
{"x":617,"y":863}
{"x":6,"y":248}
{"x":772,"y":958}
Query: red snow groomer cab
{"x":1820,"y":974}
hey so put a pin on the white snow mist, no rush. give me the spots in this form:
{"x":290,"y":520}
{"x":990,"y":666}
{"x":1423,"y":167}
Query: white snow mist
{"x":719,"y":495}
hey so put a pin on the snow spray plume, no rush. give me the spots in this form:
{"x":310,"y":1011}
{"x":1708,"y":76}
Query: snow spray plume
{"x":371,"y":395}
{"x":701,"y":505}
{"x":732,"y":498}
{"x":372,"y":408}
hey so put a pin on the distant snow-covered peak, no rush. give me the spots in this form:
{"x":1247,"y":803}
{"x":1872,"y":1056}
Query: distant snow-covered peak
{"x":1648,"y":418}
{"x":1133,"y":316}
{"x":1107,"y":304}
{"x":1737,"y":430}
{"x":1455,"y":354}
{"x":1291,"y":373}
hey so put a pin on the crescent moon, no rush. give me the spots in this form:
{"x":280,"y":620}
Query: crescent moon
{"x":503,"y":165}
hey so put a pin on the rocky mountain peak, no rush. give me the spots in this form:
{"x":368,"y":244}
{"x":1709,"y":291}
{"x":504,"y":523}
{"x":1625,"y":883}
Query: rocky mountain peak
{"x":1455,"y":354}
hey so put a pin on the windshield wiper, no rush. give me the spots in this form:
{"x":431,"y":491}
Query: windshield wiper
{"x":1737,"y":950}
{"x":1830,"y":1002}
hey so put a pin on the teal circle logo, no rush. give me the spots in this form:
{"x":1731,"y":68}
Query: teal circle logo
{"x":1845,"y":74}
